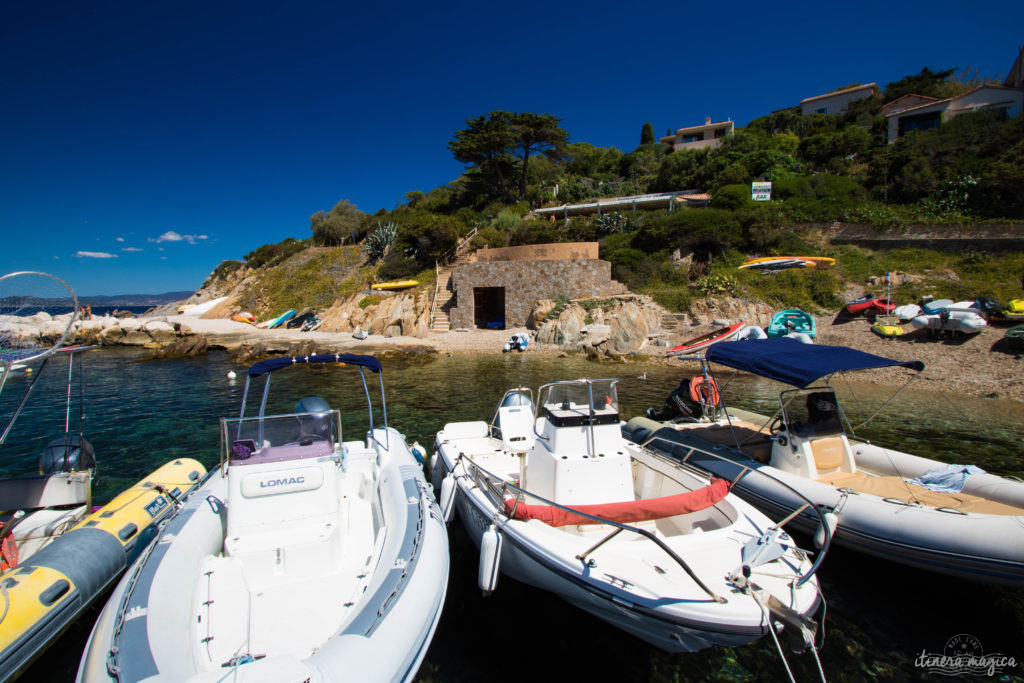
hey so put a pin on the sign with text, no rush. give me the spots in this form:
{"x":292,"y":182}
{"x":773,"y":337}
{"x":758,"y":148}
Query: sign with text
{"x":761,"y":192}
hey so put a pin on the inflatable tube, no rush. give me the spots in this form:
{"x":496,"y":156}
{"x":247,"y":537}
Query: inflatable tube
{"x":49,"y":591}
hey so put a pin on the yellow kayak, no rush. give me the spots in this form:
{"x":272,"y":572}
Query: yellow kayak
{"x":884,"y":330}
{"x":397,"y":284}
{"x":45,"y":593}
{"x":818,"y":260}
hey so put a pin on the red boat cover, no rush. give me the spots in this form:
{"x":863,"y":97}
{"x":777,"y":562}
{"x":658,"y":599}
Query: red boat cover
{"x":625,"y":513}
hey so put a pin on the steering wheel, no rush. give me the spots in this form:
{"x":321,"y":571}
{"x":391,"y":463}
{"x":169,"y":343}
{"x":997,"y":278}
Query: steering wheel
{"x":776,"y":425}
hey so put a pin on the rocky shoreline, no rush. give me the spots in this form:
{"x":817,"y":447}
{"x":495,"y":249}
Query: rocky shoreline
{"x":978,"y":365}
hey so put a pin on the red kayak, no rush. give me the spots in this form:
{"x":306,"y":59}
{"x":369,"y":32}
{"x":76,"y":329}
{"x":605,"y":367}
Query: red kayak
{"x":706,"y":340}
{"x":860,"y":305}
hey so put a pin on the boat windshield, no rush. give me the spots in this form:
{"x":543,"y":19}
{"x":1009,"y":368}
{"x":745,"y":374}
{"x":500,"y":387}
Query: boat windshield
{"x":580,"y":402}
{"x":812,"y":412}
{"x":249,"y":440}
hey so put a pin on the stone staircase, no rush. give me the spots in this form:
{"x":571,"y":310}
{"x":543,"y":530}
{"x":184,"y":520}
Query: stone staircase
{"x":445,"y":300}
{"x":673,"y":321}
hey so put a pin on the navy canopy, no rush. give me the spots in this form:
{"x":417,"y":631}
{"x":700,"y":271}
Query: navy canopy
{"x":272,"y":364}
{"x":794,"y":362}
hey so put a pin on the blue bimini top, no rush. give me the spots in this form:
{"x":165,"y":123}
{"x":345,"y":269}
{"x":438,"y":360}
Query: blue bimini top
{"x":272,"y":364}
{"x":796,"y":363}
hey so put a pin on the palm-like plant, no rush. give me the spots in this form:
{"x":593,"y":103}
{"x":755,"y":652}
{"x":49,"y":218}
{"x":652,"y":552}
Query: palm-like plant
{"x":380,"y":240}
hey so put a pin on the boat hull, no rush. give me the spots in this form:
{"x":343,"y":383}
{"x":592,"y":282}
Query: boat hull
{"x":967,"y":545}
{"x":385,"y":639}
{"x":661,"y":621}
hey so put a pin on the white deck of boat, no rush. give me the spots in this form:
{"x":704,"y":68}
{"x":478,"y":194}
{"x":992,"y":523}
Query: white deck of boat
{"x":286,"y":591}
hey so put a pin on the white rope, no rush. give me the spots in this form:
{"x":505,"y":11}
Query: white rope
{"x":771,"y":629}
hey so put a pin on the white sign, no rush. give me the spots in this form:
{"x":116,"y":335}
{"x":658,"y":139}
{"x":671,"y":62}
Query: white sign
{"x":761,"y":192}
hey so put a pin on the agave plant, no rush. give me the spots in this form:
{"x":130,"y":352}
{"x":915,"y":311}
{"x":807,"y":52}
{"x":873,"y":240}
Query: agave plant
{"x":610,"y":223}
{"x":380,"y":240}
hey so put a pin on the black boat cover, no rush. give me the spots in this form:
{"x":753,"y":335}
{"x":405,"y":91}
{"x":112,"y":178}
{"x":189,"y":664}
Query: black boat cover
{"x":796,"y":363}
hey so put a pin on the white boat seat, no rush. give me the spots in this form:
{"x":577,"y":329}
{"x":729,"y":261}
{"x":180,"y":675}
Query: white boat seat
{"x":516,"y":424}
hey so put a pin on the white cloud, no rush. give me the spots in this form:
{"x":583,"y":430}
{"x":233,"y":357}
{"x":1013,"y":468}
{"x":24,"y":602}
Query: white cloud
{"x":172,"y":236}
{"x":93,"y":254}
{"x":119,"y":239}
{"x":130,"y":249}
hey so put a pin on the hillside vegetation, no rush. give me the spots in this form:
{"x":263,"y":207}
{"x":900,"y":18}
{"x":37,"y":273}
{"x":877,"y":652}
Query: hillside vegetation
{"x":824,"y":168}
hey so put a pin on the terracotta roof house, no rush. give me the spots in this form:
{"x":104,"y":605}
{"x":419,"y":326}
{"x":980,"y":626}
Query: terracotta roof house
{"x":699,"y":137}
{"x":1006,"y":100}
{"x":837,"y":101}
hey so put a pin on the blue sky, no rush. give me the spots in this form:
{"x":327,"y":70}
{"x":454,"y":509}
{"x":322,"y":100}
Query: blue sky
{"x":143,"y":143}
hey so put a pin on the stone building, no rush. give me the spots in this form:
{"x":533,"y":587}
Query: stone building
{"x":500,"y":286}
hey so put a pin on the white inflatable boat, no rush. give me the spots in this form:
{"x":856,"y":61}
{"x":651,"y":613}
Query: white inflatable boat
{"x":976,"y":532}
{"x":560,"y":501}
{"x":303,"y":557}
{"x":965,"y":320}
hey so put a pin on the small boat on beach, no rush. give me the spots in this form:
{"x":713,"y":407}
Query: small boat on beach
{"x":280,"y":320}
{"x":861,"y":304}
{"x":1014,"y":310}
{"x":554,"y":497}
{"x":773,"y":264}
{"x":706,"y":340}
{"x":817,"y":260}
{"x":792,"y":321}
{"x":962,"y":320}
{"x":301,"y":557}
{"x":952,"y":519}
{"x":887,"y":326}
{"x":517,"y":342}
{"x":935,"y":306}
{"x":882,"y":306}
{"x":396,"y":284}
{"x":907,"y":311}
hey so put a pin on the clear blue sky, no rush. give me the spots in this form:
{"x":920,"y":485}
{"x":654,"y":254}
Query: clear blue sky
{"x":141,"y":143}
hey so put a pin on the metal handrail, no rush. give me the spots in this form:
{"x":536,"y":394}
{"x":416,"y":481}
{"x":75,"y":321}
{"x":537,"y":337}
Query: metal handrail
{"x":446,"y":258}
{"x":746,"y":470}
{"x":498,"y":501}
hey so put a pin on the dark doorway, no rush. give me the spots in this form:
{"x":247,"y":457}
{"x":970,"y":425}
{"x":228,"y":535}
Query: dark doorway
{"x":489,"y":307}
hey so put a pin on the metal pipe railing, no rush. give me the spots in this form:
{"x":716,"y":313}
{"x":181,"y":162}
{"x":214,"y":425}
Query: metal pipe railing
{"x":498,"y":500}
{"x":745,"y":470}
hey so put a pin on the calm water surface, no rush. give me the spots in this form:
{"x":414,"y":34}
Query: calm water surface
{"x":880,"y":616}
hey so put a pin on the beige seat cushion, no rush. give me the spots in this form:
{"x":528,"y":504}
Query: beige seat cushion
{"x":828,"y":453}
{"x":895,"y":487}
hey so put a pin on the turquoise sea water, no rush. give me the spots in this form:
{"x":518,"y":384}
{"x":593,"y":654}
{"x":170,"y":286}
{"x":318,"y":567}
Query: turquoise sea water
{"x":880,"y":616}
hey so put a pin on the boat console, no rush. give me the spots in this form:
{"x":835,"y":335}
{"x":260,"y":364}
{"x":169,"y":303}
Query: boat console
{"x":578,"y":455}
{"x":811,"y":442}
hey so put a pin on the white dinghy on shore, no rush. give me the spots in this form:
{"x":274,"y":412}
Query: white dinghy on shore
{"x":871,"y":495}
{"x":302,"y":557}
{"x":558,"y":500}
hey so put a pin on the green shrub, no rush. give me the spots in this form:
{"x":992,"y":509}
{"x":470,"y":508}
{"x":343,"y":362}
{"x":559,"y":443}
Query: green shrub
{"x":370,"y":300}
{"x":397,"y":266}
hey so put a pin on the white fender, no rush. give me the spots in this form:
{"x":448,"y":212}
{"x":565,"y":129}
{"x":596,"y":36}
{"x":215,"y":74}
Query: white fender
{"x":832,"y":522}
{"x":447,"y":500}
{"x":490,"y":560}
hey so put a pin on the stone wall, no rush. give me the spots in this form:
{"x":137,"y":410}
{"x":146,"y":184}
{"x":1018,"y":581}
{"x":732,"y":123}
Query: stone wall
{"x":525,"y":282}
{"x":539,"y":252}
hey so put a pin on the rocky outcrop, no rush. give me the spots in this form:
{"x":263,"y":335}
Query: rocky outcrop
{"x":727,"y":310}
{"x":389,"y":314}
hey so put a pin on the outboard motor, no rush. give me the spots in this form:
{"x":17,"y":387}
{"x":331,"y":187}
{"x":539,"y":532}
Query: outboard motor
{"x":513,"y":398}
{"x":678,"y":403}
{"x":318,"y":424}
{"x":69,"y":453}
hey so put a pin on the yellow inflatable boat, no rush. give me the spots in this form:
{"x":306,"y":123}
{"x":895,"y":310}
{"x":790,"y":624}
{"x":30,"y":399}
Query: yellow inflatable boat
{"x":42,"y":593}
